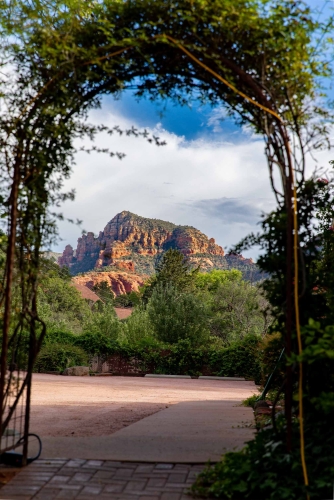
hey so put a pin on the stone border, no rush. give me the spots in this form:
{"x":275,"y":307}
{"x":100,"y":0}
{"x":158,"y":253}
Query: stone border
{"x":201,"y":377}
{"x":220,"y":378}
{"x":156,"y":375}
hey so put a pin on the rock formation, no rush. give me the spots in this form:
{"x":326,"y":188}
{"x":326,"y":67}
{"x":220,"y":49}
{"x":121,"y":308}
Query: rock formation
{"x":120,"y":282}
{"x":67,"y":258}
{"x":127,"y":236}
{"x":128,"y":246}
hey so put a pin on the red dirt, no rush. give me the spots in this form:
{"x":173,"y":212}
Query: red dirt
{"x":97,"y":406}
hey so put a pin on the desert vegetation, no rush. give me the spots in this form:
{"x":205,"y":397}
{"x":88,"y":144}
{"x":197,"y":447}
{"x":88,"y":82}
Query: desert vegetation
{"x":197,"y":319}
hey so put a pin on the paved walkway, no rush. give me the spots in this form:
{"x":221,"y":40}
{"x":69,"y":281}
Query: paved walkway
{"x":190,"y":432}
{"x":156,"y":458}
{"x":200,"y":420}
{"x":85,"y":480}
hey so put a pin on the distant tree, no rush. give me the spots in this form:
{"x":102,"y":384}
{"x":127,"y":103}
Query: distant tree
{"x":103,"y":322}
{"x":129,"y":299}
{"x":104,"y":291}
{"x":172,"y":269}
{"x":138,"y":329}
{"x":210,"y":281}
{"x":238,"y":309}
{"x":175,"y":269}
{"x":177,"y":315}
{"x":61,"y":305}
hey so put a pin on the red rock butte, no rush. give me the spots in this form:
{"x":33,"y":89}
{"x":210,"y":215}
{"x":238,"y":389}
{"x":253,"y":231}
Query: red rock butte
{"x":125,"y":252}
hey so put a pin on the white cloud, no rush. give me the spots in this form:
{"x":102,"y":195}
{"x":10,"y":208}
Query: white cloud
{"x":174,"y":182}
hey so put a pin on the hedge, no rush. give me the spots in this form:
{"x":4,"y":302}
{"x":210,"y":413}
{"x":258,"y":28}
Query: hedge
{"x":242,"y":358}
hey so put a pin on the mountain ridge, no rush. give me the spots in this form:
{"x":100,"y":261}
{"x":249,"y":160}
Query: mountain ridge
{"x":131,"y":243}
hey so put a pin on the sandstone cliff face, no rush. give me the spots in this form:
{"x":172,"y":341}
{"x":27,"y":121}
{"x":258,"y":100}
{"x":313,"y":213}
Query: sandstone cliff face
{"x":129,"y":244}
{"x":127,"y":237}
{"x":120,"y":282}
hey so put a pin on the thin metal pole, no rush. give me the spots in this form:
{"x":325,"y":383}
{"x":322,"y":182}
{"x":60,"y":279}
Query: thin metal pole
{"x":27,"y":418}
{"x":268,"y":383}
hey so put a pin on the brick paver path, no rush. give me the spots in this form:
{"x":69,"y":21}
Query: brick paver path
{"x":89,"y":479}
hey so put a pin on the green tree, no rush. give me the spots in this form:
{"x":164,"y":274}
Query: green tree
{"x":177,"y":315}
{"x":129,"y":299}
{"x":103,"y":322}
{"x":239,"y":309}
{"x":213,"y":279}
{"x":137,"y":329}
{"x":60,"y":304}
{"x":174,"y":269}
{"x":104,"y":291}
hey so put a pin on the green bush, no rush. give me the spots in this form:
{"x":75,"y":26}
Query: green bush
{"x":59,"y":337}
{"x":250,"y":402}
{"x":57,"y":357}
{"x":96,"y":343}
{"x":241,"y":358}
{"x":181,"y":358}
{"x":264,"y":470}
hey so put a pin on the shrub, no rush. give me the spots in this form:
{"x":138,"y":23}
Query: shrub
{"x":59,"y":337}
{"x":251,"y":400}
{"x":264,"y":470}
{"x":242,"y":358}
{"x":181,"y":358}
{"x":96,"y":343}
{"x":57,"y":357}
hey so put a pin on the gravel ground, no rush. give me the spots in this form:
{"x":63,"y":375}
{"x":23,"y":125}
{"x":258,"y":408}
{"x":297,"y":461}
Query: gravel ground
{"x":99,"y":406}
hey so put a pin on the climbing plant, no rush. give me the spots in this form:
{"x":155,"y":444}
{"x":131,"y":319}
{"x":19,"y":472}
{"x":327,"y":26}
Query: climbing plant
{"x":261,"y":60}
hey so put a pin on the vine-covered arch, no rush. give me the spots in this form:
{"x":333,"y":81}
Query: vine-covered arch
{"x":65,"y":58}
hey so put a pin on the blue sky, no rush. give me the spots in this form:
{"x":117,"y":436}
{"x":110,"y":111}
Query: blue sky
{"x":192,"y":122}
{"x":211,"y":175}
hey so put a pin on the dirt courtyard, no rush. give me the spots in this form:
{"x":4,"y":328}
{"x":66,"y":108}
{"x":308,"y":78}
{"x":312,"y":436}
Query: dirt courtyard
{"x":100,"y":406}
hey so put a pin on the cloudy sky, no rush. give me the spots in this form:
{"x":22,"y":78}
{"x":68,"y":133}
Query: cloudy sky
{"x":210,"y":175}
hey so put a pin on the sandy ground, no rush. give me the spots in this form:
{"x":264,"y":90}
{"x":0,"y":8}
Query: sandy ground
{"x":100,"y":406}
